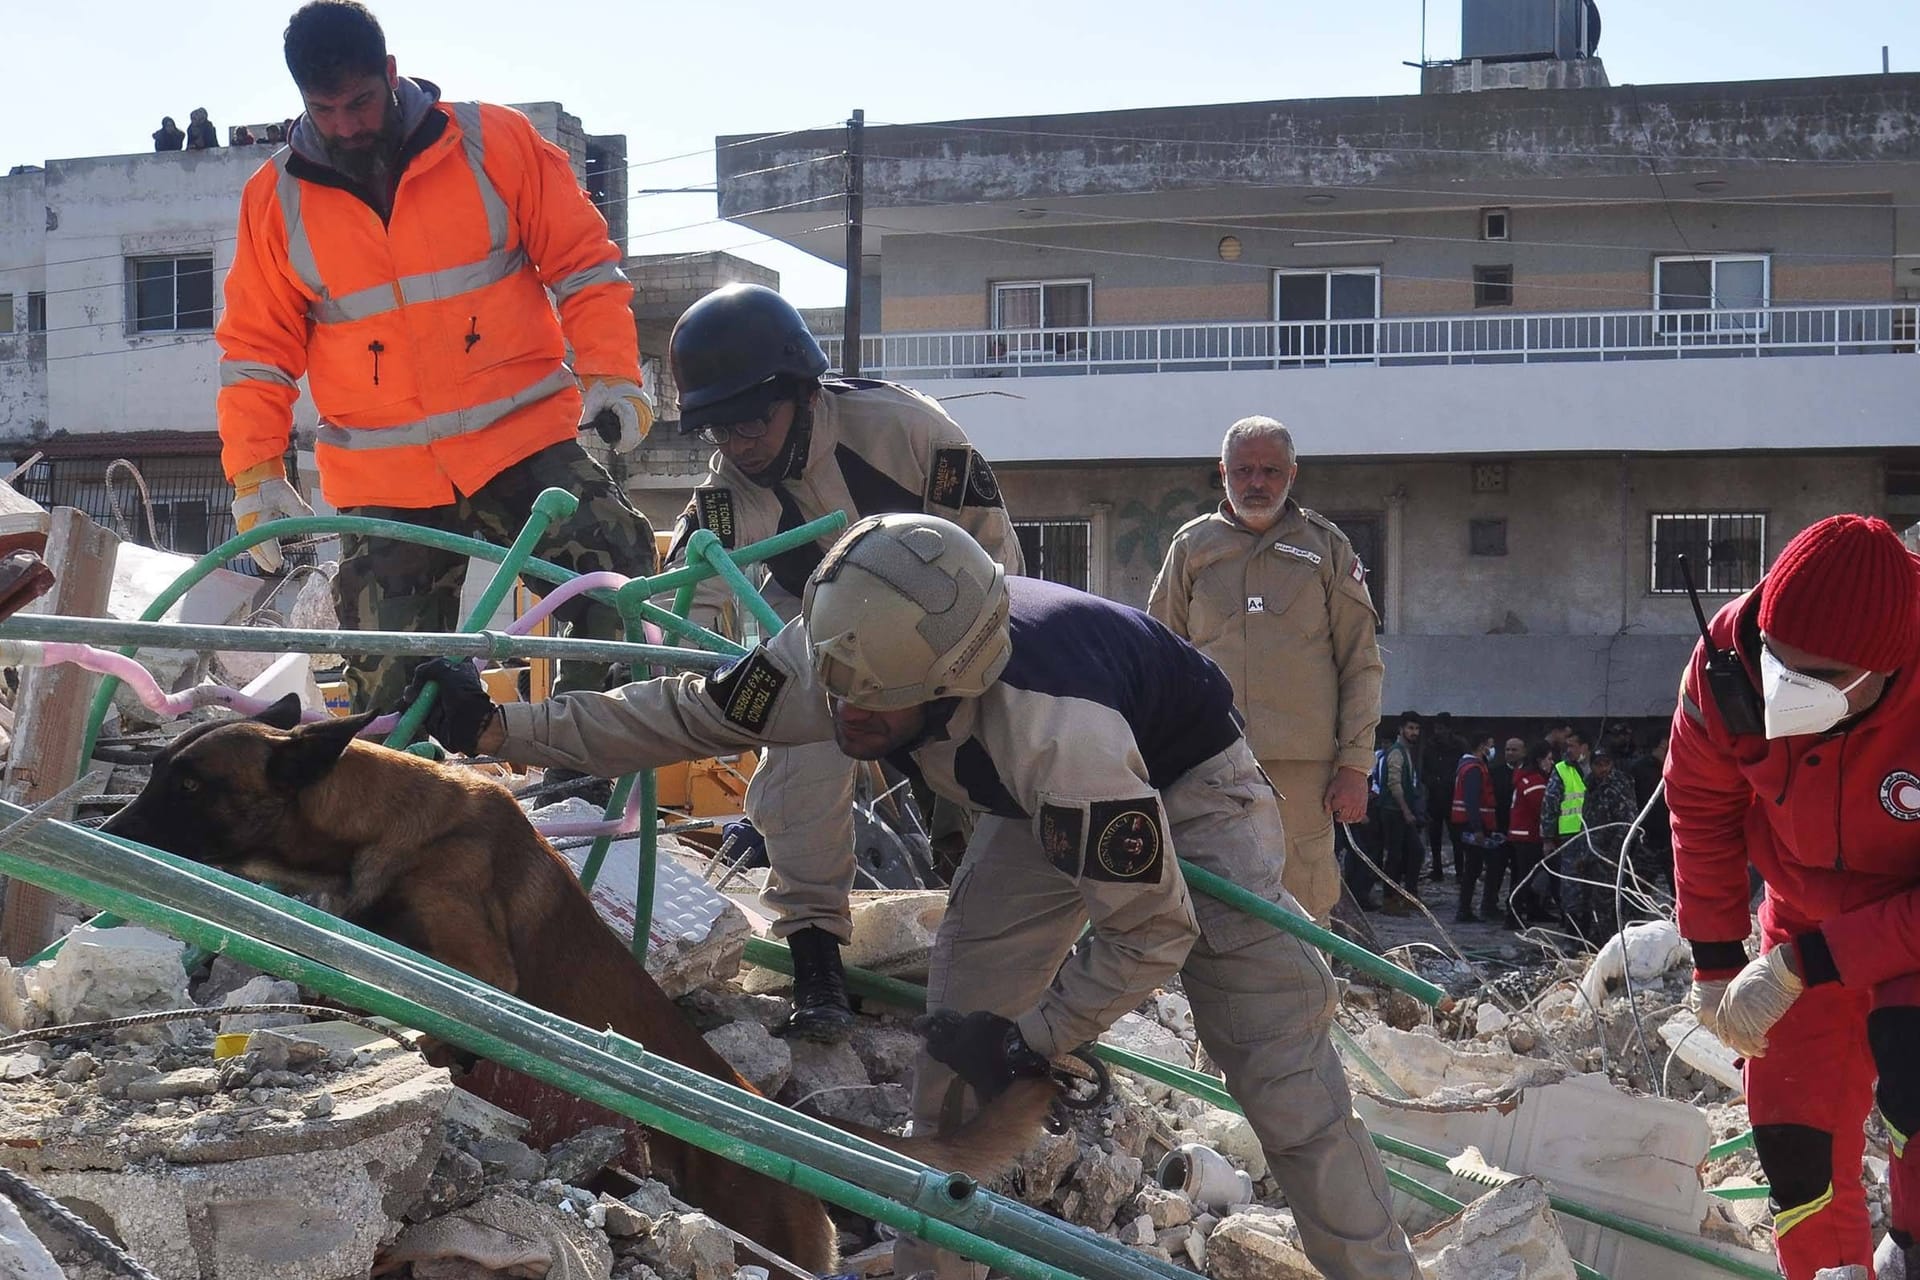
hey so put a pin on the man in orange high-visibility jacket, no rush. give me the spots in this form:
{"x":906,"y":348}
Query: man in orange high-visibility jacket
{"x":426,"y":266}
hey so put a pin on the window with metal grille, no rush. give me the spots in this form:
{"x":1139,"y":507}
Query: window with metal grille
{"x":1057,"y":550}
{"x":1726,"y":551}
{"x":36,"y":313}
{"x":1487,"y":537}
{"x":1493,"y":286}
{"x":168,"y":295}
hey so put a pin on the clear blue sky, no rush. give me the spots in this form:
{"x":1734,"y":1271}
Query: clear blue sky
{"x":95,"y":77}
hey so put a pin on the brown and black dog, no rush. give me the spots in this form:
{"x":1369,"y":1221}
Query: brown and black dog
{"x":444,"y":861}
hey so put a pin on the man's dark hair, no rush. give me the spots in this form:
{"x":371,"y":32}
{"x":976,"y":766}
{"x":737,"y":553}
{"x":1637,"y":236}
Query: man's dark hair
{"x":1409,"y":717}
{"x":329,"y":42}
{"x":1574,"y":735}
{"x":1541,"y":750}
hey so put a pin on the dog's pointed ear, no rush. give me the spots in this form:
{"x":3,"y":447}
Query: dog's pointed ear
{"x":309,"y":752}
{"x":284,"y":714}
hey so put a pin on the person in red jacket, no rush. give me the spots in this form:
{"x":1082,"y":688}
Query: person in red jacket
{"x":1472,"y":820}
{"x":1796,"y":750}
{"x":1527,"y":903}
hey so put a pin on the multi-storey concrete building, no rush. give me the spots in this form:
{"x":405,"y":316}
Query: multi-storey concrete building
{"x":1533,"y":343}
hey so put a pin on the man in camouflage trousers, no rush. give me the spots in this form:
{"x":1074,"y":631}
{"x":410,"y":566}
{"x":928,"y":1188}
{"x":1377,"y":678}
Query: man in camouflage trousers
{"x":386,"y":585}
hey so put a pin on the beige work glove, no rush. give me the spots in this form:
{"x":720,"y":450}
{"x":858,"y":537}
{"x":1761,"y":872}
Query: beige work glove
{"x":629,"y":405}
{"x":1757,"y":998}
{"x":262,"y":493}
{"x":1705,"y":1000}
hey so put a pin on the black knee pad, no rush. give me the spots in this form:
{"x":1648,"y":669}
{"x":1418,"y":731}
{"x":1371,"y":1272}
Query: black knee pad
{"x":1798,"y":1160}
{"x":1894,"y":1035}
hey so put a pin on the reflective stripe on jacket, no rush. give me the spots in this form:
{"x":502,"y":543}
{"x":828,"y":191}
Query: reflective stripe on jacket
{"x":431,"y":340}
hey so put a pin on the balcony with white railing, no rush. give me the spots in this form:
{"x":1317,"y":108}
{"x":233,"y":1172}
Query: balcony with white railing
{"x":1393,"y":341}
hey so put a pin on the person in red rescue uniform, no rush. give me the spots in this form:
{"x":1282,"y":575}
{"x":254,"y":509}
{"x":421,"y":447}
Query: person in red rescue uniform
{"x":1822,"y":796}
{"x":426,"y":266}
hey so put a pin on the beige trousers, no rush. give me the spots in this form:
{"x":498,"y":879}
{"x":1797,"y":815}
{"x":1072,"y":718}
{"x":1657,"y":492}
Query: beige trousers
{"x":1262,"y":1002}
{"x":801,"y":800}
{"x":1312,"y":871}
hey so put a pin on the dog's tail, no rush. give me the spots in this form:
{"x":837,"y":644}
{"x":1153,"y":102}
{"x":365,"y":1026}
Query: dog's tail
{"x":985,"y":1146}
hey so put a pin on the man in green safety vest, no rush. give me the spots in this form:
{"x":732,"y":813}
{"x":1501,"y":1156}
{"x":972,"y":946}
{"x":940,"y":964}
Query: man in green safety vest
{"x":1562,"y":813}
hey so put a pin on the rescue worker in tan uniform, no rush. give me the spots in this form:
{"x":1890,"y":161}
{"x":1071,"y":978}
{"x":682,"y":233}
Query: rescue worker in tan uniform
{"x":1094,"y":745}
{"x":791,"y":447}
{"x":1274,"y":593}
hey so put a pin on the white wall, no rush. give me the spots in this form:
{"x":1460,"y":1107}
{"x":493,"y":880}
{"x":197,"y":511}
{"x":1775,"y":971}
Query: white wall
{"x":1798,"y":402}
{"x":23,"y":382}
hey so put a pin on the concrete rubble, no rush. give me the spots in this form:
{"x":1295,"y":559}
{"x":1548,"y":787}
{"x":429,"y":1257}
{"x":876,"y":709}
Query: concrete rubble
{"x":1544,"y":1064}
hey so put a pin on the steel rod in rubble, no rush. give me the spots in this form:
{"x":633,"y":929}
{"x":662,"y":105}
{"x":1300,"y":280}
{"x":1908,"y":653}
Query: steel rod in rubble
{"x":262,"y":928}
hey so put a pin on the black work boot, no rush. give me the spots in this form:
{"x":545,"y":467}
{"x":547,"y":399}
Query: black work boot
{"x":820,"y":1009}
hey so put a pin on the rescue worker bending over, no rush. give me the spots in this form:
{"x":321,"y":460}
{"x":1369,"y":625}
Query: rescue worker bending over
{"x":790,"y":447}
{"x":1091,"y":743}
{"x":1800,"y":756}
{"x":426,"y":266}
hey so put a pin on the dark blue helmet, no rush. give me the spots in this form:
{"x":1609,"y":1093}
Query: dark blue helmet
{"x":738,"y":350}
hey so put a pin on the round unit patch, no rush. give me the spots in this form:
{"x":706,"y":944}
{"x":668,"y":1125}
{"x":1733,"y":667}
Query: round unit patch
{"x":1900,"y":796}
{"x":1129,"y":844}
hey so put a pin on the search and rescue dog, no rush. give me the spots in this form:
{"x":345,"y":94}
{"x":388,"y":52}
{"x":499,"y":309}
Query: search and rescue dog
{"x":441,"y":860}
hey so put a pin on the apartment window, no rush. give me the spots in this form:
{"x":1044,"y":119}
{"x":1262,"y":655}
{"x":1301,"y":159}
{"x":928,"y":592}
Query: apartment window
{"x":6,"y":313}
{"x":1494,"y":224}
{"x":171,"y":294}
{"x":1487,"y":537}
{"x":1493,"y":286}
{"x":1326,"y":315}
{"x":1056,"y":550}
{"x":1733,"y":287}
{"x":1726,"y":551}
{"x":1031,"y":307}
{"x":36,"y":313}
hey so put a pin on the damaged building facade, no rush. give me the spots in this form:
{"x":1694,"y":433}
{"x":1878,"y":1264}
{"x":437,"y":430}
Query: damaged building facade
{"x":1532,"y":343}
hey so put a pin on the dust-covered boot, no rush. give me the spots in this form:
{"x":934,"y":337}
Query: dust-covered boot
{"x":821,"y":1012}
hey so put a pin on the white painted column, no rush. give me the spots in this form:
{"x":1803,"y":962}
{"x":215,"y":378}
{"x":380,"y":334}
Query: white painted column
{"x":1098,"y":560}
{"x":1395,"y":544}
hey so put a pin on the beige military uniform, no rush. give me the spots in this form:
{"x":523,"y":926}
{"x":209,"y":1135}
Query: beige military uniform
{"x":873,"y":447}
{"x":1067,"y":838}
{"x":1287,"y":616}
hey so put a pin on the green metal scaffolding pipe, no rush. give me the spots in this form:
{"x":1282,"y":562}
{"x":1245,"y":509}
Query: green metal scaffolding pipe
{"x":497,"y":645}
{"x":504,"y":1029}
{"x":548,"y":505}
{"x":1737,"y":1142}
{"x":705,"y":546}
{"x":775,"y":955}
{"x":1376,"y":967}
{"x":400,"y":531}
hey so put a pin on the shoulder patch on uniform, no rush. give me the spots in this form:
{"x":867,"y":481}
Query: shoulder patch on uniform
{"x":1287,"y":548}
{"x":947,"y":486}
{"x":983,"y":487}
{"x":1124,"y":841}
{"x":1063,"y":830}
{"x":746,"y":691}
{"x":1358,"y":572}
{"x":716,"y":513}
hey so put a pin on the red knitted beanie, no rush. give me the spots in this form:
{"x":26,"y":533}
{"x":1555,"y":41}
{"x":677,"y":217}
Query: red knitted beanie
{"x":1845,"y":589}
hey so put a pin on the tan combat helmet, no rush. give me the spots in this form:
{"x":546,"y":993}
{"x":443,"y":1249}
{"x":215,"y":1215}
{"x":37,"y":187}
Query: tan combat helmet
{"x":906,"y":609}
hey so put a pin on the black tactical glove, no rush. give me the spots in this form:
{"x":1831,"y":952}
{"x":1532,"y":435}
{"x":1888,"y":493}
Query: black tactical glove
{"x":462,"y":708}
{"x":984,"y":1049}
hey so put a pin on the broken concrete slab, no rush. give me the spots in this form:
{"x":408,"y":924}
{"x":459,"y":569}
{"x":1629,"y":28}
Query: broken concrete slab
{"x":586,"y":1153}
{"x":691,"y":1245}
{"x":893,"y":932}
{"x":817,"y":1068}
{"x":1434,"y":1070}
{"x":1700,"y":1049}
{"x":1509,"y":1233}
{"x":241,"y":1184}
{"x":1257,"y":1246}
{"x":262,"y":989}
{"x":1105,"y":1181}
{"x":756,"y":1053}
{"x":505,"y":1231}
{"x":110,"y":973}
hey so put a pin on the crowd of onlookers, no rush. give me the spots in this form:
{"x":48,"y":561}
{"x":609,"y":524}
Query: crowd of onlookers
{"x":200,"y":135}
{"x":1535,"y":832}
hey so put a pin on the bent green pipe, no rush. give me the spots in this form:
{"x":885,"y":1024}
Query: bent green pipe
{"x":249,"y":909}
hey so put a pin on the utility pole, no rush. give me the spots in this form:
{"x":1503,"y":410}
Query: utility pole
{"x":856,"y":209}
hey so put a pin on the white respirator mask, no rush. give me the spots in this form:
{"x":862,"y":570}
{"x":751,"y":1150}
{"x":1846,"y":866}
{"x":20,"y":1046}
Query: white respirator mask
{"x":1796,"y":703}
